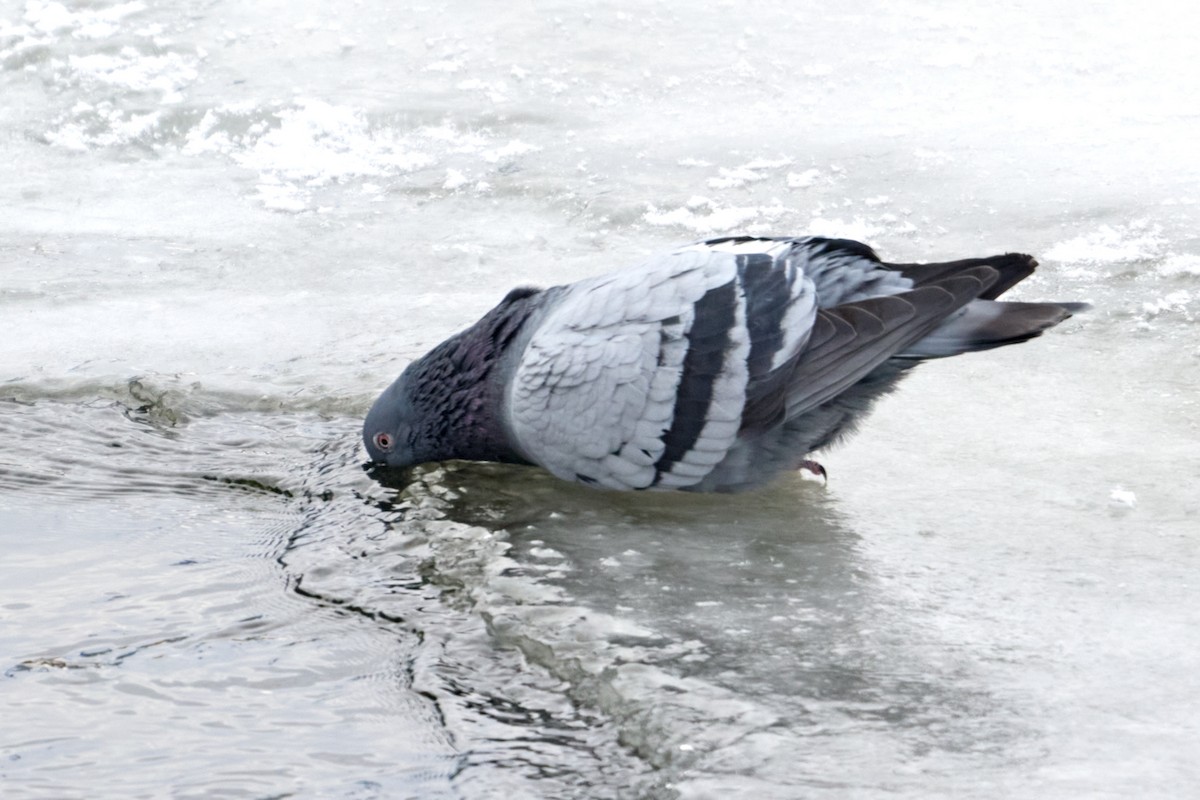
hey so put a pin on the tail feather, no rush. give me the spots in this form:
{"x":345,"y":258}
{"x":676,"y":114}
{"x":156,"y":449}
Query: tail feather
{"x":984,"y":324}
{"x":1013,"y":268}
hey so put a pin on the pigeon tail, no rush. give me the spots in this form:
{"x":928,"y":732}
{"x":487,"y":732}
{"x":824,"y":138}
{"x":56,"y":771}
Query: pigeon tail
{"x":984,"y":324}
{"x":1012,"y":268}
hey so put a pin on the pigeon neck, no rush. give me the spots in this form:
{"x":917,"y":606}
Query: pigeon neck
{"x":472,"y":394}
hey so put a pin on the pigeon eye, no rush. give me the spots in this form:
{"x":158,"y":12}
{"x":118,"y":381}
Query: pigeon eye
{"x":383,"y":441}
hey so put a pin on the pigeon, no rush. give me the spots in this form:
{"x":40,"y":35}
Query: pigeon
{"x":716,"y":367}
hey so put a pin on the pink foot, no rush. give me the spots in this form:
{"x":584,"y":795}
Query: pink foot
{"x":812,"y":471}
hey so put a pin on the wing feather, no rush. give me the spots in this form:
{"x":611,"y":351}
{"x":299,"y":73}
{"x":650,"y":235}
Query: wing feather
{"x":852,"y":339}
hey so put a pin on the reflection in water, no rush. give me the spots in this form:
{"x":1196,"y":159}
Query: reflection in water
{"x":393,"y":557}
{"x":753,"y":621}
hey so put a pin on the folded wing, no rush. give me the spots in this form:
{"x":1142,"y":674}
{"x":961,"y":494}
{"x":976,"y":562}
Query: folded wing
{"x":641,"y":379}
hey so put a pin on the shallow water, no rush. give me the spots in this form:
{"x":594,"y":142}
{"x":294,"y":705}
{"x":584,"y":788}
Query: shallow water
{"x":226,"y":228}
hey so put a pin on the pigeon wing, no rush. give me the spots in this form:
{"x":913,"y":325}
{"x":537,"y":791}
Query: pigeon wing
{"x":850,"y":340}
{"x":640,"y":379}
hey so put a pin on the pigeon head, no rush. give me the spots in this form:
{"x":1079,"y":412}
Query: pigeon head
{"x":432,"y":412}
{"x":390,"y":432}
{"x":447,"y":404}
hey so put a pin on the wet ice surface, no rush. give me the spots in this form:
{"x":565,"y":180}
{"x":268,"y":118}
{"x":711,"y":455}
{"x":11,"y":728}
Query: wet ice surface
{"x":226,"y":229}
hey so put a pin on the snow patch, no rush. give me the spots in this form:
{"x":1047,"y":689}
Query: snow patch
{"x":1123,"y":497}
{"x":1183,"y":264}
{"x":802,"y":180}
{"x":837,"y":228}
{"x":509,"y":151}
{"x":707,"y":217}
{"x":104,"y":126}
{"x":767,"y":163}
{"x":319,"y":143}
{"x":1107,"y":244}
{"x":282,"y":197}
{"x":750,"y":172}
{"x":135,"y":71}
{"x":732,"y":178}
{"x":1175,"y":302}
{"x":313,"y":144}
{"x":454,"y":180}
{"x":88,"y":23}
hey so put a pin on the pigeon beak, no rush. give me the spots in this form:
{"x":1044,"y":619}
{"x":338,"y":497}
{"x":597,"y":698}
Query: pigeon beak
{"x":389,"y":476}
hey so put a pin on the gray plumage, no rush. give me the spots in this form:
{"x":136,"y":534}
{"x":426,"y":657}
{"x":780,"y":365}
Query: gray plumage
{"x":712,"y":368}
